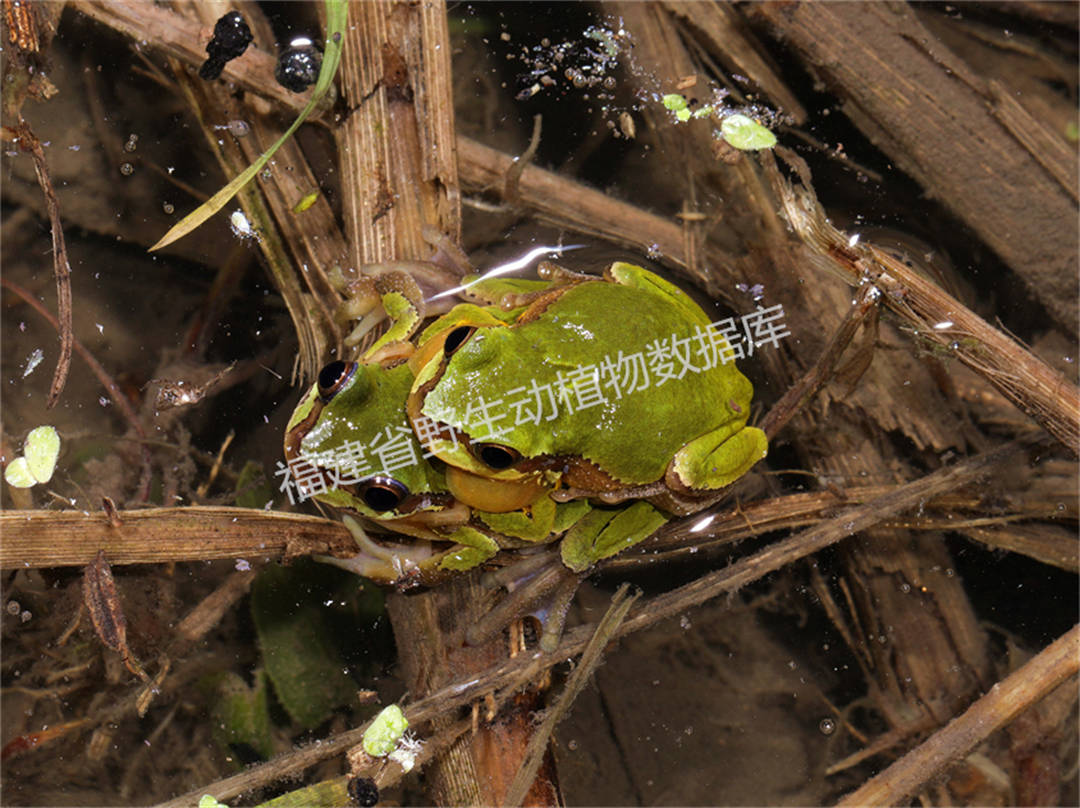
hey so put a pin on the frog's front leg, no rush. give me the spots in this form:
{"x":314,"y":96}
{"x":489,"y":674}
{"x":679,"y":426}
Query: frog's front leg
{"x":388,"y":291}
{"x":716,"y":459}
{"x":408,"y":291}
{"x":602,"y":533}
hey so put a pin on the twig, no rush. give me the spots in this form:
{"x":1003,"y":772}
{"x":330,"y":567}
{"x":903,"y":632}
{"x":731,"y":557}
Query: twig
{"x":811,"y":541}
{"x":605,"y":632}
{"x":103,"y":376}
{"x":1006,"y":700}
{"x":813,"y":380}
{"x":158,"y":535}
{"x":28,"y":141}
{"x":934,"y":317}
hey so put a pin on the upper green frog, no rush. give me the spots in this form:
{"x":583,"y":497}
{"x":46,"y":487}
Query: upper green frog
{"x":612,"y":389}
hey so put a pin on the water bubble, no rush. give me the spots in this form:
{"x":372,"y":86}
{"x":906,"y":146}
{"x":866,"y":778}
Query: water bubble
{"x":167,"y":207}
{"x":826,"y":726}
{"x":127,"y":169}
{"x":132,"y":143}
{"x":25,"y":617}
{"x":13,"y":607}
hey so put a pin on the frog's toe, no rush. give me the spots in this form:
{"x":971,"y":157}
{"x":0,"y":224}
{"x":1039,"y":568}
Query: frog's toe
{"x":364,"y":326}
{"x":366,"y":566}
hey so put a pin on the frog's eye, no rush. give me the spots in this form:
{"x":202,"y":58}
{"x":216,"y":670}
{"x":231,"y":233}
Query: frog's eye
{"x":456,"y":338}
{"x":333,"y":377}
{"x":495,"y":456}
{"x":383,"y":493}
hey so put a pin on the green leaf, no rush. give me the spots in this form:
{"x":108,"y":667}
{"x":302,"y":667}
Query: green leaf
{"x":300,"y":646}
{"x":336,"y":13}
{"x":382,"y":736}
{"x":41,"y":449}
{"x":674,"y":102}
{"x":18,"y":474}
{"x":240,"y":714}
{"x":746,"y":134}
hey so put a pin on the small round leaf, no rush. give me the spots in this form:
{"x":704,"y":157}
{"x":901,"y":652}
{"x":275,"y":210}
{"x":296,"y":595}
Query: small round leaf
{"x":385,"y":731}
{"x":674,"y":102}
{"x":746,"y":134}
{"x":18,"y":473}
{"x":42,"y":447}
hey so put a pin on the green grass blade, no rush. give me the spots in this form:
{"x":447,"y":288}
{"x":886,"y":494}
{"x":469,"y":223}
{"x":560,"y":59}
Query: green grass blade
{"x":336,"y":14}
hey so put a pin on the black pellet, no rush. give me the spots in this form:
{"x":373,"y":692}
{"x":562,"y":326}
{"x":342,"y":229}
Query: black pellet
{"x":231,"y":38}
{"x":363,"y":792}
{"x":298,"y":67}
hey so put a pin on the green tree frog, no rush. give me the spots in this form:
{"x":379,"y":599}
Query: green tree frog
{"x":611,"y":389}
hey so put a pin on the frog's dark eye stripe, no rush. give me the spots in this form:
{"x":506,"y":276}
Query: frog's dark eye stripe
{"x":456,"y":338}
{"x":333,"y":377}
{"x":495,"y":456}
{"x":383,"y":493}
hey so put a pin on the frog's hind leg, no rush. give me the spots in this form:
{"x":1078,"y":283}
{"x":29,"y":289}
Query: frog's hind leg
{"x":539,"y":586}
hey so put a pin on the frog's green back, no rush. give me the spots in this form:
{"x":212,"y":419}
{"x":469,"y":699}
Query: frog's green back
{"x":601,"y":345}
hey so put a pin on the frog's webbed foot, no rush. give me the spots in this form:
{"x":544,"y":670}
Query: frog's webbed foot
{"x":395,"y":564}
{"x":536,"y":296}
{"x":538,"y":586}
{"x":561,"y":276}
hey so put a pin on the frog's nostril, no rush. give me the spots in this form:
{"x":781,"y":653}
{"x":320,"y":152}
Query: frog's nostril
{"x":456,"y":338}
{"x":333,"y":377}
{"x":495,"y":456}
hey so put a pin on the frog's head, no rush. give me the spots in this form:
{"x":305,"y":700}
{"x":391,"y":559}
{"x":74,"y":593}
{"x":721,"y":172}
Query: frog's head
{"x":481,"y":474}
{"x":349,"y":445}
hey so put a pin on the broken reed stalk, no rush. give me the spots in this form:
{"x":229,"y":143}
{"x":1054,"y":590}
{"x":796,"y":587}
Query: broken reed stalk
{"x":1006,"y":700}
{"x":944,"y":125}
{"x":938,"y":321}
{"x":42,"y":539}
{"x":39,"y":539}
